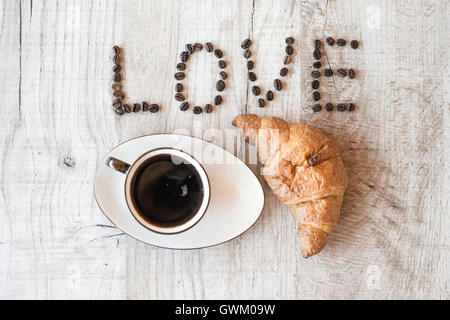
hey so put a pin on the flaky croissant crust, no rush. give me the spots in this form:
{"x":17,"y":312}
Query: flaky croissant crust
{"x":304,"y":169}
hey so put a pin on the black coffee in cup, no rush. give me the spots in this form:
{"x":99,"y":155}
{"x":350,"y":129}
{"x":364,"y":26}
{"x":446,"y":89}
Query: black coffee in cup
{"x":167,"y":191}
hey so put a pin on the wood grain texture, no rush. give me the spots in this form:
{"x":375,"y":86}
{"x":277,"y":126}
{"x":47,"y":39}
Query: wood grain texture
{"x":393,"y":237}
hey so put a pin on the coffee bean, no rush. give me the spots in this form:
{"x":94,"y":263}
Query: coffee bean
{"x":246,"y":44}
{"x":209,"y":47}
{"x":136,"y":107}
{"x":208,"y":108}
{"x":198,"y":110}
{"x":317,"y":44}
{"x":328,"y":72}
{"x":198,"y":46}
{"x":220,"y":85}
{"x":184,"y":56}
{"x":252,"y":77}
{"x":354,"y":44}
{"x":154,"y":108}
{"x":116,"y":59}
{"x":117,"y":68}
{"x":341,"y":42}
{"x":316,"y":96}
{"x":341,"y":107}
{"x":126,"y":108}
{"x":179,"y":97}
{"x":119,"y":111}
{"x":116,"y":87}
{"x":222,"y":64}
{"x":184,"y":106}
{"x":256,"y":90}
{"x":317,"y":55}
{"x":145,"y":106}
{"x":317,"y":64}
{"x":223,"y":75}
{"x":342,"y":73}
{"x":116,"y":49}
{"x":247,"y":54}
{"x":290,"y":40}
{"x":351,"y":74}
{"x":351,"y":107}
{"x":218,"y":100}
{"x":278,"y":84}
{"x":117,"y":103}
{"x":269,"y":95}
{"x":315,"y":74}
{"x":287,"y":60}
{"x":180,"y":76}
{"x":289,"y":50}
{"x":179,"y":87}
{"x":284,"y":72}
{"x":190,"y":48}
{"x":181,"y":66}
{"x":329,"y":107}
{"x":119,"y":95}
{"x":218,"y":53}
{"x":262,"y":103}
{"x":315,"y":84}
{"x":117,"y":77}
{"x":317,"y":108}
{"x":314,"y":160}
{"x":330,"y":41}
{"x":250,"y":65}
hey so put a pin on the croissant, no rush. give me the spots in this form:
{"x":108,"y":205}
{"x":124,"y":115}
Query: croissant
{"x":304,"y":169}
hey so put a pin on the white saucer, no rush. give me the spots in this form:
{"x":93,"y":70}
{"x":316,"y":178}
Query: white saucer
{"x":237,"y":198}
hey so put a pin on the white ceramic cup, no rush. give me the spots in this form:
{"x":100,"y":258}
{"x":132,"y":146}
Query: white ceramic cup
{"x":132,"y":170}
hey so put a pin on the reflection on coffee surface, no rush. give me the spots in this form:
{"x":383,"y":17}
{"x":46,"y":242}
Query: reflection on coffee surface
{"x":167,"y":191}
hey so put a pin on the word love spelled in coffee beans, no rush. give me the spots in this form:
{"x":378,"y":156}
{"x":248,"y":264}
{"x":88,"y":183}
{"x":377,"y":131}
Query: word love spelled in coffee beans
{"x":321,"y":69}
{"x":119,"y":105}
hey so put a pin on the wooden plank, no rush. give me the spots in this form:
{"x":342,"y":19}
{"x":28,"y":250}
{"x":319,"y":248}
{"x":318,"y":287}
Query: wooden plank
{"x":392,"y":239}
{"x":10,"y":129}
{"x":57,"y":246}
{"x":382,"y":243}
{"x":157,"y":273}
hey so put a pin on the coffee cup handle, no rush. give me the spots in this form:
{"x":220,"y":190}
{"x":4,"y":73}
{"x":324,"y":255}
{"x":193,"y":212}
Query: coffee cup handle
{"x":118,"y":165}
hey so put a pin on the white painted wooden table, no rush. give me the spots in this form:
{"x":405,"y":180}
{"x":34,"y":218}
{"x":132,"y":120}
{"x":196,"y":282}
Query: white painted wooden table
{"x":56,"y":125}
